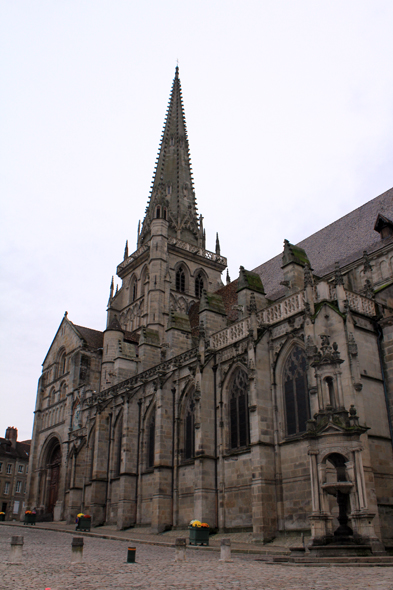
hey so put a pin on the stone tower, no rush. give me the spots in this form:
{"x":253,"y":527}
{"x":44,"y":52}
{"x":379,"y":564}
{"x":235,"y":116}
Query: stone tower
{"x":168,"y":272}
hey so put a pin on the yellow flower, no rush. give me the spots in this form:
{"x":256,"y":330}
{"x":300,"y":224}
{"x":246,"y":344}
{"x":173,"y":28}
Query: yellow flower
{"x":80,"y":514}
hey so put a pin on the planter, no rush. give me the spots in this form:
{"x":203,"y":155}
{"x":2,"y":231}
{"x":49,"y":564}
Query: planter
{"x":2,"y":517}
{"x":29,"y":519}
{"x":83,"y":524}
{"x":199,"y":535}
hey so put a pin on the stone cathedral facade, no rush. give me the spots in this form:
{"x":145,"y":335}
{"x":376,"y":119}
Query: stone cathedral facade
{"x":262,"y":405}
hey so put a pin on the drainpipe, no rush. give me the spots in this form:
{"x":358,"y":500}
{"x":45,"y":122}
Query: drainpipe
{"x":215,"y":436}
{"x":379,"y":340}
{"x":137,"y":456}
{"x":107,"y":491}
{"x":173,"y":450}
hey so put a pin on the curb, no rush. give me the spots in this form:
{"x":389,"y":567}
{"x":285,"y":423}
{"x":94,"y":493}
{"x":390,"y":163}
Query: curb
{"x":250,"y":551}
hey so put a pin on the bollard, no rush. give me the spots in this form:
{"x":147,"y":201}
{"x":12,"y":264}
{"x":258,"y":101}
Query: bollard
{"x":226,"y":550}
{"x":16,"y":550}
{"x":180,"y":549}
{"x":77,"y":549}
{"x":131,"y":554}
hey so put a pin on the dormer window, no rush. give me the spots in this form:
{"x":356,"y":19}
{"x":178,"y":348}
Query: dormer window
{"x":384,"y":226}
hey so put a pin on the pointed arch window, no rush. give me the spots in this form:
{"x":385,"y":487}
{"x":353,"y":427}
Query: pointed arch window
{"x":158,"y":212}
{"x":62,"y":363}
{"x":238,"y":409}
{"x":189,"y":428}
{"x":180,"y":280}
{"x":296,"y":392}
{"x":134,"y":290}
{"x":199,"y":285}
{"x":151,"y":440}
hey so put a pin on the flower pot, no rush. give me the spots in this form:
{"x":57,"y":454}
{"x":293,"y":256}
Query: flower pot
{"x":2,"y":517}
{"x":199,"y":535}
{"x":83,"y":524}
{"x":29,"y":519}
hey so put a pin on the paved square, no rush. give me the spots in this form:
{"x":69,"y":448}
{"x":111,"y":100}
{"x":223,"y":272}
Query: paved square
{"x":47,"y":564}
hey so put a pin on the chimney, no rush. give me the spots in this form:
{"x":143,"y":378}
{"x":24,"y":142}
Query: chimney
{"x":11,"y":434}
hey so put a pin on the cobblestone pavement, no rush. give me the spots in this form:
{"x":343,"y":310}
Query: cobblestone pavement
{"x":47,"y":564}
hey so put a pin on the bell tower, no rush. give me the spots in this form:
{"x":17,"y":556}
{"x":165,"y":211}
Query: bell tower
{"x":171,"y":267}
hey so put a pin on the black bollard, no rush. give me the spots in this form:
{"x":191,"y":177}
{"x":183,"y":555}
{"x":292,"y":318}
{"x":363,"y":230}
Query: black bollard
{"x":131,"y":554}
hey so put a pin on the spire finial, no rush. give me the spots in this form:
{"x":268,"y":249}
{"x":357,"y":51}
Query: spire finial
{"x":217,"y":245}
{"x":111,"y":291}
{"x":126,"y":250}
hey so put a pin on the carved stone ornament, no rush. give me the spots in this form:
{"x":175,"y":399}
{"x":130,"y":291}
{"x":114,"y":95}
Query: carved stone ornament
{"x":328,"y":355}
{"x":338,"y":278}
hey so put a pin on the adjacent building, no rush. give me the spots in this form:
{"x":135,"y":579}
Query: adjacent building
{"x":14,"y":466}
{"x":262,"y":405}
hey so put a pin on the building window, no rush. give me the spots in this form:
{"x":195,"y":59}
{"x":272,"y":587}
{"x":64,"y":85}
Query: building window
{"x":9,"y":468}
{"x":238,"y":409}
{"x":62,"y":363}
{"x":18,"y":487}
{"x":199,"y":285}
{"x":134,"y":291}
{"x":296,"y":392}
{"x":1,"y":467}
{"x":189,"y":428}
{"x":16,"y":507}
{"x":151,"y":440}
{"x":180,"y":280}
{"x":20,"y":469}
{"x":84,"y":369}
{"x":6,"y":487}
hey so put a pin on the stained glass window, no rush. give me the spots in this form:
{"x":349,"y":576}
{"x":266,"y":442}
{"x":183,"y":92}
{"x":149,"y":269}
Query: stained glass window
{"x":296,"y":391}
{"x":238,"y":409}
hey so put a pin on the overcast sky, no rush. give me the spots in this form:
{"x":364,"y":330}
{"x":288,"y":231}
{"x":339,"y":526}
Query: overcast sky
{"x":289,"y":113}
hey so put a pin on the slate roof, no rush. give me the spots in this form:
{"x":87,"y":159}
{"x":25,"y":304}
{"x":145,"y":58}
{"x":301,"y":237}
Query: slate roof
{"x":93,"y":338}
{"x":21,"y":451}
{"x":343,"y":241}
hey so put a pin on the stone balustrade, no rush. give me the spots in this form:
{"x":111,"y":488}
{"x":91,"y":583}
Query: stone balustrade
{"x":280,"y":311}
{"x":198,"y":251}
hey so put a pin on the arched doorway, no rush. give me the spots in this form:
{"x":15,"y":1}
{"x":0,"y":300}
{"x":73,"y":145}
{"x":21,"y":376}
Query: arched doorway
{"x":53,"y":477}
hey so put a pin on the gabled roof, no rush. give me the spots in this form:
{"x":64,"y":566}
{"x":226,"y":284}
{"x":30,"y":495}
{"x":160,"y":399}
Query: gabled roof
{"x":93,"y":338}
{"x":342,"y":241}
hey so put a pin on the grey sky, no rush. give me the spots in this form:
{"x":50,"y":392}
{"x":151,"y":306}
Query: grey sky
{"x":289,"y":113}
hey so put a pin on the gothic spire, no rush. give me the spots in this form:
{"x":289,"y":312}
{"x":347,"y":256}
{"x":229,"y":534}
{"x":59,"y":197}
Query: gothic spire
{"x":172,"y":192}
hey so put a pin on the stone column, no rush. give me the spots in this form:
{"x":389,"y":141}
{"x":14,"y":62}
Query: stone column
{"x":127,"y":483}
{"x":161,"y":509}
{"x":360,"y":482}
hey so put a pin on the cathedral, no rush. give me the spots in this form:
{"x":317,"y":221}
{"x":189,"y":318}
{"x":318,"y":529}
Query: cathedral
{"x":264,"y":405}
